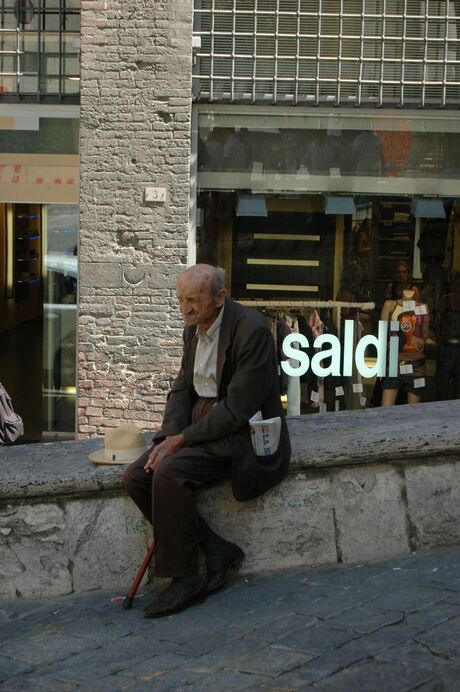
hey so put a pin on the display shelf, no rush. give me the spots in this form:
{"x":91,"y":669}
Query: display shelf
{"x":393,"y":242}
{"x":27,"y":250}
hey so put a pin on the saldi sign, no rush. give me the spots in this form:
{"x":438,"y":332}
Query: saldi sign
{"x":341,"y":356}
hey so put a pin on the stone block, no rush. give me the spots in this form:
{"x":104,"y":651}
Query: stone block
{"x":48,"y":549}
{"x":434,"y":508}
{"x":369,"y":512}
{"x":32,"y":560}
{"x":100,"y":274}
{"x":106,"y":541}
{"x":290,"y":525}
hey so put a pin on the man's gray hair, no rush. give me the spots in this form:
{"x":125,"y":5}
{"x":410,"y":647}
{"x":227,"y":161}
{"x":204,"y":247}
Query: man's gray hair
{"x":217,"y":281}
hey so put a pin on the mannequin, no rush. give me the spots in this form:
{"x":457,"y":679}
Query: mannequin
{"x":402,"y":280}
{"x":413,"y":332}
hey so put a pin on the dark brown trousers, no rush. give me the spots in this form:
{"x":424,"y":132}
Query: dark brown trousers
{"x":167,"y":497}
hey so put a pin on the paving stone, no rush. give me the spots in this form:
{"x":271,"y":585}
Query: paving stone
{"x":292,"y":630}
{"x":415,"y":654}
{"x":228,"y":654}
{"x":321,"y":667}
{"x":375,"y":677}
{"x":44,"y":648}
{"x":9,"y":667}
{"x":444,"y":639}
{"x":365,"y":619}
{"x":111,"y":683}
{"x":197,"y":678}
{"x":244,"y":598}
{"x":372,"y":644}
{"x":85,"y":623}
{"x":91,"y":665}
{"x":327,"y":605}
{"x":316,"y":639}
{"x":349,"y":575}
{"x":15,"y":629}
{"x":156,"y":666}
{"x":182,"y":627}
{"x":281,"y":626}
{"x":453,"y":599}
{"x":446,"y":682}
{"x":222,"y":680}
{"x":410,"y":600}
{"x":36,"y":683}
{"x":430,"y":617}
{"x":271,"y":661}
{"x":209,"y":640}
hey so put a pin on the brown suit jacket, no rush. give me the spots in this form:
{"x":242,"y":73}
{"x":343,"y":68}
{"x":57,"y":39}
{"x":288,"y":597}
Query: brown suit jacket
{"x":247,"y":380}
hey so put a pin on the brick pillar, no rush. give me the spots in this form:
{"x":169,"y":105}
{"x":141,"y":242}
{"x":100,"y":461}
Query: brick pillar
{"x":135,"y":132}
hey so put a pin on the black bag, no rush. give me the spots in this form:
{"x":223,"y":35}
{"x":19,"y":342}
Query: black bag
{"x":11,"y":425}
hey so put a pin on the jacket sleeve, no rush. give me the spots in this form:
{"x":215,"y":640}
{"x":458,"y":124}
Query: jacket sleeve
{"x":251,"y":357}
{"x":180,"y":400}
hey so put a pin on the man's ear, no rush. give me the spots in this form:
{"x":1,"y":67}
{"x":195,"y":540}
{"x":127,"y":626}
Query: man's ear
{"x":220,"y":297}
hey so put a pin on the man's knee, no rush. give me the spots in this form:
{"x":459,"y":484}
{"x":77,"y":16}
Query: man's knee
{"x":167,"y":467}
{"x":133,"y":475}
{"x":128,"y":478}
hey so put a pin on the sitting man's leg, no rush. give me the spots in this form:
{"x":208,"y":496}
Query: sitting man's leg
{"x":169,"y":499}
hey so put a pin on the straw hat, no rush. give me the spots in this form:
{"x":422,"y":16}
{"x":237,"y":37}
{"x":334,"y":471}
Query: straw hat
{"x":122,"y":445}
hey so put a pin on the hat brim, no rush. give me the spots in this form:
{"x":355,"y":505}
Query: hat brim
{"x":99,"y":457}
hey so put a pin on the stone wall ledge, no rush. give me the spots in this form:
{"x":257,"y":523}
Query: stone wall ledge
{"x":400,"y":434}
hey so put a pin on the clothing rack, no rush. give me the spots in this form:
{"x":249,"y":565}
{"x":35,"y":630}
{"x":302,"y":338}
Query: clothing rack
{"x":293,"y":304}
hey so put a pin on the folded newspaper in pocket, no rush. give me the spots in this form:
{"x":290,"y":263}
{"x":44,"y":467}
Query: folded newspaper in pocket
{"x":265,"y":434}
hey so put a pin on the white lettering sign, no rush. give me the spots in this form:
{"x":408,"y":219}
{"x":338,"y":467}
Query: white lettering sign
{"x":297,"y":362}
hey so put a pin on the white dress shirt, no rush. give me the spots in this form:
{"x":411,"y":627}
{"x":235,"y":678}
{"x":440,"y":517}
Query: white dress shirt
{"x":205,"y":366}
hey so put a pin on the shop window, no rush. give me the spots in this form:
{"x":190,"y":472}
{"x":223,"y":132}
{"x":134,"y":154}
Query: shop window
{"x":38,"y":311}
{"x":291,"y":208}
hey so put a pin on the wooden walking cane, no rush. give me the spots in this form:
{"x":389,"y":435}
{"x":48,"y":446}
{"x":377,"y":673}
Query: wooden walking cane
{"x":142,"y":569}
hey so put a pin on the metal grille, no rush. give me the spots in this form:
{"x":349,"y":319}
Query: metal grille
{"x":39,"y":50}
{"x":358,"y":52}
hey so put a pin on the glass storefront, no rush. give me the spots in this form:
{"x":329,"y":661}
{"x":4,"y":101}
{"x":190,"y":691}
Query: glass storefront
{"x":344,"y":230}
{"x":61,"y":224}
{"x":38,"y":314}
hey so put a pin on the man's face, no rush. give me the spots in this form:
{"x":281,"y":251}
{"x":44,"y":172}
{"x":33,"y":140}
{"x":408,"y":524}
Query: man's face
{"x":196,"y":303}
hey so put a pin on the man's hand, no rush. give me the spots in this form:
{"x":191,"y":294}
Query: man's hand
{"x":170,"y":445}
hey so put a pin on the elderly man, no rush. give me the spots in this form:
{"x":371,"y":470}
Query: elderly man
{"x":229,"y":372}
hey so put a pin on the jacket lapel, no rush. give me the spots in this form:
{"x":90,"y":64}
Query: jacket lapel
{"x":224,"y":339}
{"x":191,"y":341}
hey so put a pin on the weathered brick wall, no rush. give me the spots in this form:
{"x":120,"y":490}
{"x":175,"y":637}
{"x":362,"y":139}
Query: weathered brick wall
{"x":135,"y":131}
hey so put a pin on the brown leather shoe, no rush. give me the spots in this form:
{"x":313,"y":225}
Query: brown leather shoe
{"x":220,"y":566}
{"x":174,"y":598}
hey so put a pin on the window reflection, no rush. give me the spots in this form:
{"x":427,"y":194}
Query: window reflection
{"x":60,"y":314}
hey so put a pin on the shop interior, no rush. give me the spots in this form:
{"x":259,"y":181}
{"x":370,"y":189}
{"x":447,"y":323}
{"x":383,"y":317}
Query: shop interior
{"x":38,"y":302}
{"x":317,"y":260}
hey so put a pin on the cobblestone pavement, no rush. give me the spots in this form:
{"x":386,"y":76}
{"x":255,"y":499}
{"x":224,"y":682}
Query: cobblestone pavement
{"x":388,"y":627}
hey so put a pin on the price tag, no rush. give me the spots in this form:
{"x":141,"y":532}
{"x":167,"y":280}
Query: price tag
{"x":302,"y":172}
{"x":421,"y":310}
{"x":419,"y":382}
{"x":409,"y":305}
{"x":339,"y":391}
{"x":357,"y":388}
{"x":406,"y":369}
{"x":314,"y":396}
